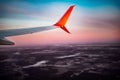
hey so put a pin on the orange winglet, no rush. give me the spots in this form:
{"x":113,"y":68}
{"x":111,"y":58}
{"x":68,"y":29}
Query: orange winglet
{"x":61,"y":23}
{"x":65,"y":29}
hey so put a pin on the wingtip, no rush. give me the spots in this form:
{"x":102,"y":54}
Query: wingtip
{"x":61,"y":23}
{"x":69,"y":32}
{"x":73,"y":5}
{"x":65,"y":29}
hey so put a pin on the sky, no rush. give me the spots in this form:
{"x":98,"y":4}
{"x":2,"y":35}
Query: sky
{"x":91,"y":21}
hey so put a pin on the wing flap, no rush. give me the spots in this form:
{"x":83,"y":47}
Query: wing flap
{"x":4,"y":41}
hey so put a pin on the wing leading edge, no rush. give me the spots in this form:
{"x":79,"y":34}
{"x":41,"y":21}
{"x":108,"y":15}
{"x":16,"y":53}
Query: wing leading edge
{"x":14,"y":32}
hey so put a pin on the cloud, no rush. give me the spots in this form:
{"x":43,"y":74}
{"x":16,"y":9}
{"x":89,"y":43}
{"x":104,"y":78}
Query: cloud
{"x":38,"y":64}
{"x":68,"y":56}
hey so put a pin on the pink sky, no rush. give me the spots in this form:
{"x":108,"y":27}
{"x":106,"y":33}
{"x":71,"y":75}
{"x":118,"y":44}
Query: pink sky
{"x":53,"y":36}
{"x":83,"y":24}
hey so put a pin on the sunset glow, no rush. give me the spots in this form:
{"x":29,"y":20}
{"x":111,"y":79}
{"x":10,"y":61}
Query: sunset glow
{"x":88,"y":22}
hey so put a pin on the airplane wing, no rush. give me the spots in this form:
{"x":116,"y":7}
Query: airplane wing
{"x":13,"y":32}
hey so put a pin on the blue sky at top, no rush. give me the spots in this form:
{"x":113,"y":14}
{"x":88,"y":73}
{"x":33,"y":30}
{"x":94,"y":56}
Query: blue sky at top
{"x":31,"y":9}
{"x":84,"y":3}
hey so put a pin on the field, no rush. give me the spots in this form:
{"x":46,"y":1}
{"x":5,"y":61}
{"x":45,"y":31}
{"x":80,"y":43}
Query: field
{"x":60,"y":62}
